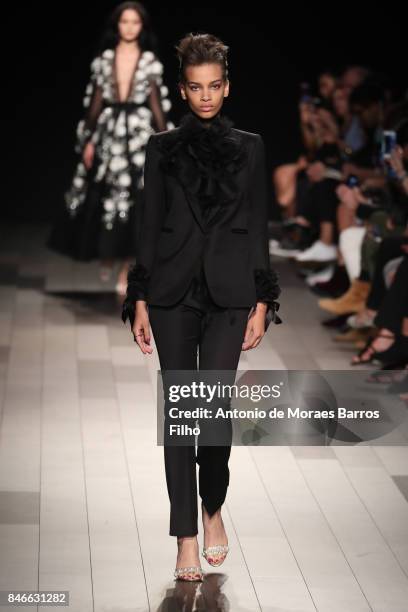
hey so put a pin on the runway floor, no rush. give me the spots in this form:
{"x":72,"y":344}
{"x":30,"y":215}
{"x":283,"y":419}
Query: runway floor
{"x":83,"y":499}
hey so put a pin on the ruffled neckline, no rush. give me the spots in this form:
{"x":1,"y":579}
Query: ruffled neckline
{"x":192,"y":126}
{"x":205,"y":159}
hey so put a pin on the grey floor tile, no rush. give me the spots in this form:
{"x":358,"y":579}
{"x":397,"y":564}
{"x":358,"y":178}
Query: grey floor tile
{"x":402,"y":484}
{"x":19,"y":507}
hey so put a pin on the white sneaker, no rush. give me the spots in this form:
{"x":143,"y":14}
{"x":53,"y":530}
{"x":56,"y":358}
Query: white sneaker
{"x":318,"y":251}
{"x":360,"y":320}
{"x":320,"y":277}
{"x":276,"y":249}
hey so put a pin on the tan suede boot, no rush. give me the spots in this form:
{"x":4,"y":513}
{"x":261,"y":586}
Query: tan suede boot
{"x":352,"y":301}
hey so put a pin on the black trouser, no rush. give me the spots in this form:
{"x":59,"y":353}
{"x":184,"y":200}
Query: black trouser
{"x":178,"y":332}
{"x":390,"y":248}
{"x":394,"y":305}
{"x":319,"y":201}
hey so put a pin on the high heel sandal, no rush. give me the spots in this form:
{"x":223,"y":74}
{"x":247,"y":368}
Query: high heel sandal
{"x":209,"y":551}
{"x":193,"y":573}
{"x":215,"y":550}
{"x":105,"y":273}
{"x":390,"y":354}
{"x":183,"y":573}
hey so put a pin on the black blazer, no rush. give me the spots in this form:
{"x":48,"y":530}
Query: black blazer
{"x":206,"y":197}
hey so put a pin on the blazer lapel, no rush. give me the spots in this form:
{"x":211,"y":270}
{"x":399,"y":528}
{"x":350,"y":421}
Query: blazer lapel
{"x":195,"y":206}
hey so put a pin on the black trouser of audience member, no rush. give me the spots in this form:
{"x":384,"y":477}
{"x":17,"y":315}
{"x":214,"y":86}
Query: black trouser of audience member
{"x":394,"y":305}
{"x":319,"y":203}
{"x":390,"y":248}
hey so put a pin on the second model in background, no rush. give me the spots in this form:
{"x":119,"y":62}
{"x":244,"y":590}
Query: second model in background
{"x":125,"y":102}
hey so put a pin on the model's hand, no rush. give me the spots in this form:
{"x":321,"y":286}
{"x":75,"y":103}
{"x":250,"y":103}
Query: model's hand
{"x":88,"y":154}
{"x":255,"y":329}
{"x":141,"y":328}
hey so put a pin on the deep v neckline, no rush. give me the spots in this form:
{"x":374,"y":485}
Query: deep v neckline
{"x":132,"y":80}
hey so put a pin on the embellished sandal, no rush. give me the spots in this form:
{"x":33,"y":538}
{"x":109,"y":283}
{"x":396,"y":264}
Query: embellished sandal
{"x":211,"y":551}
{"x":189,"y":574}
{"x":374,"y":355}
{"x":192,"y":573}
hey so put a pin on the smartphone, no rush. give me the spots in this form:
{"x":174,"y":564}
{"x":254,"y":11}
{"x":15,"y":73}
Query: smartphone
{"x":388,"y":143}
{"x":352,"y":180}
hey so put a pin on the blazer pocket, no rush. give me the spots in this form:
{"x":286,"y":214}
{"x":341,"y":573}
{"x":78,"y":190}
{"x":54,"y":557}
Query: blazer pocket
{"x":167,"y":229}
{"x":239,"y":230}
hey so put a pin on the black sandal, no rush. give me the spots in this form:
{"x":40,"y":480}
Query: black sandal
{"x":374,"y":355}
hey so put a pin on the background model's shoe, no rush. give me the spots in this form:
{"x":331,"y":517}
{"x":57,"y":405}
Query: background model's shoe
{"x":352,"y":301}
{"x":189,"y":574}
{"x":105,"y":273}
{"x":318,"y":252}
{"x":215,"y":555}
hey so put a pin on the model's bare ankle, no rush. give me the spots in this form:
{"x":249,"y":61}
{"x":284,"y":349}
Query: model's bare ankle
{"x":213,"y":518}
{"x":188,"y":553}
{"x":186,"y":539}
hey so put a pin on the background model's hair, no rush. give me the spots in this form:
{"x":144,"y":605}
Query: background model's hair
{"x":110,"y":36}
{"x":197,"y":49}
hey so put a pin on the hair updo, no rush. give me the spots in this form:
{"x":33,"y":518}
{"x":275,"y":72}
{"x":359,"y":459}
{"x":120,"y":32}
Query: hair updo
{"x":197,"y":49}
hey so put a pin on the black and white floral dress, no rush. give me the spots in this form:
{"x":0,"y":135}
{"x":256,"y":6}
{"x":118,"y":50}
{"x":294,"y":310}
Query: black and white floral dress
{"x":102,"y":211}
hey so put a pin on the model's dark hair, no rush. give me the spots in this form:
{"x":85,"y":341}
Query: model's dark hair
{"x":110,"y":37}
{"x":197,"y":49}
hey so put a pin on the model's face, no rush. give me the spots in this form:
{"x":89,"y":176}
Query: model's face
{"x":130,"y":25}
{"x":204,"y":89}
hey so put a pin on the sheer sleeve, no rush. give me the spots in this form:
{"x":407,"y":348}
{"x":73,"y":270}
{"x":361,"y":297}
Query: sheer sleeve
{"x":156,"y":107}
{"x":92,"y":106}
{"x":158,"y":95}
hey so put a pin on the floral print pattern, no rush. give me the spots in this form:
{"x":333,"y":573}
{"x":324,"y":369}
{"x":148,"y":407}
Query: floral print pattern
{"x":119,"y":131}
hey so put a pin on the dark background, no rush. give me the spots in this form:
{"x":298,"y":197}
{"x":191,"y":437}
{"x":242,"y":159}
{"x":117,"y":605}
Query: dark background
{"x":272,"y":49}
